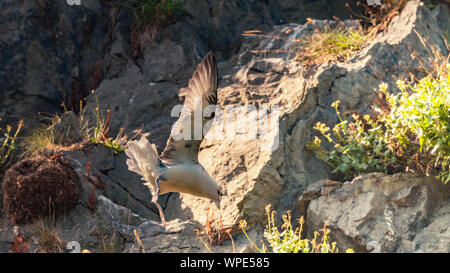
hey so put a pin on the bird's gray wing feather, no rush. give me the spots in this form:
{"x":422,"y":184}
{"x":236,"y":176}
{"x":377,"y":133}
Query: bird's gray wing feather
{"x":201,"y":92}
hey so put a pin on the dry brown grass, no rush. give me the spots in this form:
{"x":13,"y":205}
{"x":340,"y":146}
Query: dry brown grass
{"x":337,"y":44}
{"x":48,"y":239}
{"x":330,"y":44}
{"x":42,"y":139}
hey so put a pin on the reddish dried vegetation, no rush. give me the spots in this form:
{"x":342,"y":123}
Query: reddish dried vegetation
{"x":94,"y":180}
{"x":38,"y":187}
{"x":216,"y":232}
{"x":19,"y":244}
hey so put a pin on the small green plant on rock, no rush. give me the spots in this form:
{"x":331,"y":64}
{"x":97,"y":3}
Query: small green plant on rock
{"x":359,"y":146}
{"x":289,"y":240}
{"x":99,"y":132}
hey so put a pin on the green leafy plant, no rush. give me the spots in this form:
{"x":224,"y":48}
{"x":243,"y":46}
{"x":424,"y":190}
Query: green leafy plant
{"x":8,"y":145}
{"x":409,"y":130}
{"x":101,"y":129}
{"x":359,"y":146}
{"x":289,"y":240}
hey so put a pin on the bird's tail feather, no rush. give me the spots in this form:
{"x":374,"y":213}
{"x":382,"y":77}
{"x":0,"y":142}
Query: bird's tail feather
{"x":143,"y":159}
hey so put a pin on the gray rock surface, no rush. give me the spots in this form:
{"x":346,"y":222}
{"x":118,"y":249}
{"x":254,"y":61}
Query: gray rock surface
{"x":67,"y":129}
{"x":395,"y":213}
{"x":49,"y":52}
{"x":125,"y":190}
{"x":435,"y":237}
{"x":53,"y":52}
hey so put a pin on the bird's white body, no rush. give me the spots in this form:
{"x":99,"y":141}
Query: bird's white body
{"x":178,"y":168}
{"x":188,"y":178}
{"x":185,"y":177}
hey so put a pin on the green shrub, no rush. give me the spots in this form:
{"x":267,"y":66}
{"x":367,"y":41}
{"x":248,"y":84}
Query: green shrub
{"x":409,"y":131}
{"x":290,"y":240}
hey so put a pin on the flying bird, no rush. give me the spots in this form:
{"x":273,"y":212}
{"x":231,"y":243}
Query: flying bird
{"x":177,"y":169}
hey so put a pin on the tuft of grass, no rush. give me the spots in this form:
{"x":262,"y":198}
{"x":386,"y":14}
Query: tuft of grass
{"x":289,"y":240}
{"x":336,"y":44}
{"x":446,"y":37}
{"x":8,"y":145}
{"x":330,"y":44}
{"x":111,"y":244}
{"x":41,"y":138}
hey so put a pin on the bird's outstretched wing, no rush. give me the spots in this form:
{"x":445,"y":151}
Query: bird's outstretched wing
{"x":187,"y":132}
{"x":143,"y":159}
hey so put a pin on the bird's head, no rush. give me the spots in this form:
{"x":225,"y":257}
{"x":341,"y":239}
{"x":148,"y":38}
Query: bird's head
{"x":209,"y":187}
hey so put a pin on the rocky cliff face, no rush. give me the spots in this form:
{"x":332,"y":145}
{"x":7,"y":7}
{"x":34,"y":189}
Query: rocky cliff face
{"x":401,"y":213}
{"x":382,"y":213}
{"x":49,"y":53}
{"x":254,"y":177}
{"x":53,"y":52}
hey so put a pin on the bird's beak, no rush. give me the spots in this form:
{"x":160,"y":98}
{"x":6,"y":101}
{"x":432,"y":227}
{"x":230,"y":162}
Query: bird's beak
{"x":218,"y":202}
